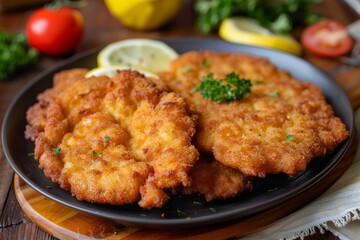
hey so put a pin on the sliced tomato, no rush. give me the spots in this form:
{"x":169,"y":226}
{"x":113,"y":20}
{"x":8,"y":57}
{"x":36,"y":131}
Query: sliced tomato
{"x":327,"y":38}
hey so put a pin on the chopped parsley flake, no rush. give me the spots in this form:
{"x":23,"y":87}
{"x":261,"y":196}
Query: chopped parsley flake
{"x":94,"y":153}
{"x":273,"y":189}
{"x":186,"y":69}
{"x":271,"y":85}
{"x":56,"y":151}
{"x":179,"y":212}
{"x":274,"y":94}
{"x":257,"y":81}
{"x":106,"y":140}
{"x":49,"y":187}
{"x":31,"y":154}
{"x":212,"y":210}
{"x":205,"y":63}
{"x":289,"y":137}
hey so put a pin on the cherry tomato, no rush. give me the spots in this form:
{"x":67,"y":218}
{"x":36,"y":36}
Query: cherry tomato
{"x":55,"y":31}
{"x":327,"y":38}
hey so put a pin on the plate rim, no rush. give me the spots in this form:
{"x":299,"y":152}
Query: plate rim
{"x":198,"y":221}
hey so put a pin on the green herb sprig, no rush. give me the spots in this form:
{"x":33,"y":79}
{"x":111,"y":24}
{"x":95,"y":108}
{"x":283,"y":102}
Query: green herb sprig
{"x":279,"y":16}
{"x":15,"y":54}
{"x":214,"y":89}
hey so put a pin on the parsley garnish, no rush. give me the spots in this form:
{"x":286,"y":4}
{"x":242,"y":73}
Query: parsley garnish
{"x":279,"y":16}
{"x":56,"y":151}
{"x":271,"y":85}
{"x":212,"y":210}
{"x":31,"y":154}
{"x":274,"y":94}
{"x":49,"y":187}
{"x":186,"y":69}
{"x":289,"y":137}
{"x":106,"y":140}
{"x":94,"y":153}
{"x":205,"y":63}
{"x":179,"y":212}
{"x":15,"y":54}
{"x":215,"y":90}
{"x":273,"y":190}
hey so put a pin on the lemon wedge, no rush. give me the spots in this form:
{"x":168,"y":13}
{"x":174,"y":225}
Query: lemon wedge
{"x":111,"y":71}
{"x":248,"y":31}
{"x":144,"y":54}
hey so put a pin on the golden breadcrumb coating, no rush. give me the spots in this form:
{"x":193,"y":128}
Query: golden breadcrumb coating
{"x":216,"y":181}
{"x":279,"y":127}
{"x":113,"y":140}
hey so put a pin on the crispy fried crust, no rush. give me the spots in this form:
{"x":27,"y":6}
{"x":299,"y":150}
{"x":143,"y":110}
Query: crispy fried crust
{"x":122,"y":140}
{"x":216,"y":181}
{"x":252,"y":134}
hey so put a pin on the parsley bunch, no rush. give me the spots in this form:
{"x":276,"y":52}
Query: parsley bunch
{"x":279,"y":16}
{"x":15,"y":54}
{"x":215,"y":90}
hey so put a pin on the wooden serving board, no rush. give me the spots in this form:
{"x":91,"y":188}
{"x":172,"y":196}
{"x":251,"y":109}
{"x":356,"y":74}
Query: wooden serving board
{"x":66,"y":223}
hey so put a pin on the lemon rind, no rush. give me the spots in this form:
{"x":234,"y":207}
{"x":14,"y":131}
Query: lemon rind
{"x":230,"y":32}
{"x":103,"y":59}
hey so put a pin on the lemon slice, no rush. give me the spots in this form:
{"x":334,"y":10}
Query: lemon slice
{"x":144,"y":54}
{"x":111,"y":71}
{"x":248,"y":31}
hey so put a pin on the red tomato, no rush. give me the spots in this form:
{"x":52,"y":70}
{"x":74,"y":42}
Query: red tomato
{"x":55,"y":31}
{"x":327,"y":38}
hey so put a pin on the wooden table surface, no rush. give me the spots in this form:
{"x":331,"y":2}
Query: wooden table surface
{"x":102,"y":28}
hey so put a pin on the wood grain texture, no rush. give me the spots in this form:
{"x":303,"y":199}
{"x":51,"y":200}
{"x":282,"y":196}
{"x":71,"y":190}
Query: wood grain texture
{"x":102,"y":28}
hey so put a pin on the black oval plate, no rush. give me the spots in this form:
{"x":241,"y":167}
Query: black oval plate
{"x":181,"y":210}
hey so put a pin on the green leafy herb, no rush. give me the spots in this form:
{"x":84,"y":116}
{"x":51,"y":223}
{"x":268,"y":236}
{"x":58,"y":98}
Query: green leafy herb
{"x":258,"y":81}
{"x":205,"y":63}
{"x":274,"y":94}
{"x":279,"y":16}
{"x":106,"y":140}
{"x":49,"y":187}
{"x":56,"y":151}
{"x":186,"y":70}
{"x":212,"y":210}
{"x":289,"y":137}
{"x":214,"y":89}
{"x":31,"y":154}
{"x":179,"y":212}
{"x":273,"y":189}
{"x":271,"y":85}
{"x":15,"y":54}
{"x":94,"y":153}
{"x":197,"y":203}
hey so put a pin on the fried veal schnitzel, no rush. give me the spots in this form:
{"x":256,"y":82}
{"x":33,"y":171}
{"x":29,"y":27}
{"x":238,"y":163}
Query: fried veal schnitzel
{"x":279,"y":127}
{"x":216,"y":181}
{"x":113,"y":140}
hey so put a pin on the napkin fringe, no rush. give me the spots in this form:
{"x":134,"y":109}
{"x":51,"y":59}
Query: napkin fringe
{"x":350,"y":216}
{"x":307,"y":232}
{"x":322,"y":227}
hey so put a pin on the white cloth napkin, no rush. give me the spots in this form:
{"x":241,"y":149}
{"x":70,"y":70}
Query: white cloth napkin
{"x":337,"y":210}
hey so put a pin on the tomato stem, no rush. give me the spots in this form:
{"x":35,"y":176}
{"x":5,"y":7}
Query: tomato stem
{"x":57,"y":4}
